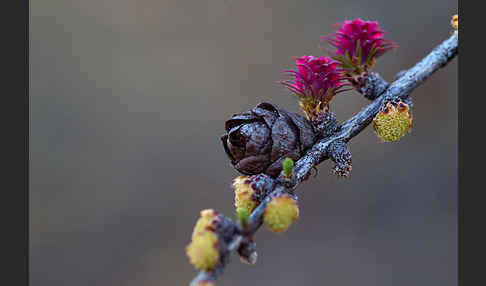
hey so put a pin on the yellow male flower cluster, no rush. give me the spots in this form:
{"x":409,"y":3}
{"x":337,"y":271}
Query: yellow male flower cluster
{"x":393,"y":121}
{"x":245,"y":201}
{"x":203,"y":249}
{"x":280,"y":213}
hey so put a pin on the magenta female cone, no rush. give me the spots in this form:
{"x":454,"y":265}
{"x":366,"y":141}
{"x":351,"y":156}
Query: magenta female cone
{"x":359,"y":42}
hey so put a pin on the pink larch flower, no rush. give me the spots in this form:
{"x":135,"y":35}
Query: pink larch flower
{"x":362,"y":40}
{"x":316,"y":78}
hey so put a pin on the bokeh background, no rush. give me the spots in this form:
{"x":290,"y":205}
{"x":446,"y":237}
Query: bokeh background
{"x":129,"y":99}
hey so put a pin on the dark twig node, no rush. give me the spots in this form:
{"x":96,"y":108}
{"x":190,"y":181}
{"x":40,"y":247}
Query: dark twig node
{"x":339,"y":153}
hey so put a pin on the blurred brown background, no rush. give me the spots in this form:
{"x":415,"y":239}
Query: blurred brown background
{"x":129,"y":98}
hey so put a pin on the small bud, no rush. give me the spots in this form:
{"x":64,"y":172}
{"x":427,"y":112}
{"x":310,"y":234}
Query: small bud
{"x":280,"y":213}
{"x":204,"y":283}
{"x":251,"y":259}
{"x":455,"y":22}
{"x":247,"y":252}
{"x":206,"y":222}
{"x":203,"y":250}
{"x":393,"y":121}
{"x":245,"y":201}
{"x":242,"y":215}
{"x":288,"y":165}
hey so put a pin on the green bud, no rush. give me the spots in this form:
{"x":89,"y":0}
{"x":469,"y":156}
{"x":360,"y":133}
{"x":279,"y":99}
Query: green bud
{"x":288,"y":166}
{"x":242,"y":215}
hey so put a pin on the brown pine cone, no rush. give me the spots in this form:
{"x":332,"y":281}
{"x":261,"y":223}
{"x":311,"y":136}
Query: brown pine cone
{"x":257,"y":141}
